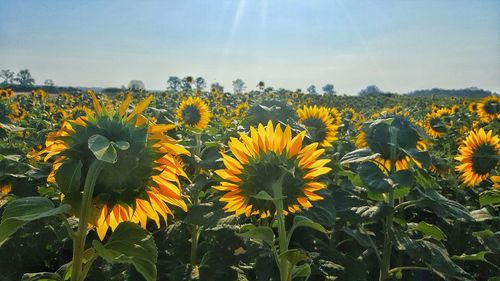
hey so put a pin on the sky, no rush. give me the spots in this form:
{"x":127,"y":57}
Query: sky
{"x":399,"y":46}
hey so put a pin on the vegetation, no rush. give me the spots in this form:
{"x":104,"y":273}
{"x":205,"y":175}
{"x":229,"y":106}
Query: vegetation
{"x":267,"y":184}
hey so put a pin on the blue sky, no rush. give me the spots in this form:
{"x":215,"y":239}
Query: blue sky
{"x":397,"y":45}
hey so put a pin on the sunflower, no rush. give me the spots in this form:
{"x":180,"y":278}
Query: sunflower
{"x":488,"y":109}
{"x":193,"y":112}
{"x":496,"y":182}
{"x":6,"y":93}
{"x":269,"y":156}
{"x":319,"y":124}
{"x":241,"y":109}
{"x":437,"y":123}
{"x":17,"y":113}
{"x":336,"y":116}
{"x":147,"y":167}
{"x":473,"y":107}
{"x":478,"y":155}
{"x":376,"y":136}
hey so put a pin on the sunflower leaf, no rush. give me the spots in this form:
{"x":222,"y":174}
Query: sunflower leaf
{"x":102,"y":148}
{"x":23,"y":210}
{"x":130,"y":244}
{"x":262,"y":233}
{"x":373,"y":178}
{"x":68,"y":176}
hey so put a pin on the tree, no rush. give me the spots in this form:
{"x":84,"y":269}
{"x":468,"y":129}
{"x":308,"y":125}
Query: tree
{"x":370,"y":90}
{"x":199,"y":83}
{"x":49,"y":83}
{"x":174,"y":83}
{"x":217,"y":87}
{"x":239,"y":86}
{"x":328,"y":89}
{"x":7,"y":76}
{"x":312,"y":90}
{"x":261,"y":85}
{"x":24,"y":78}
{"x":186,"y":83}
{"x":136,"y":85}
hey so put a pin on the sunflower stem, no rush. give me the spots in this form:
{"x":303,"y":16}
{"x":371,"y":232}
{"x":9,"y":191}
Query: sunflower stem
{"x":81,"y":233}
{"x":387,"y":248}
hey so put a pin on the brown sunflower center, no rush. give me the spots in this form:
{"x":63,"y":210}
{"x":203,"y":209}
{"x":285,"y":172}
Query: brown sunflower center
{"x":484,"y":159}
{"x":492,"y":107}
{"x":191,"y":115}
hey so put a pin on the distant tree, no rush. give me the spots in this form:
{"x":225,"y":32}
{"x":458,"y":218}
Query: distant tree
{"x":200,"y":83}
{"x":370,"y":90}
{"x":261,"y":85}
{"x":49,"y":83}
{"x":187,"y":83}
{"x":312,"y":90}
{"x":174,"y":83}
{"x":7,"y":76}
{"x":328,"y":89}
{"x":24,"y":78}
{"x":136,"y":85}
{"x":239,"y":86}
{"x":218,"y":87}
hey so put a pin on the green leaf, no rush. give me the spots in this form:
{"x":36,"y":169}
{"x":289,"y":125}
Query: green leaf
{"x":483,"y":214}
{"x":301,"y":221}
{"x":481,"y":256}
{"x":373,"y":178}
{"x":403,"y":178}
{"x":301,"y":271}
{"x":102,"y":149}
{"x":130,"y":244}
{"x":293,"y":256}
{"x":262,"y":195}
{"x":358,"y":156}
{"x":68,"y":176}
{"x":23,"y":210}
{"x":428,"y":230}
{"x":421,"y":156}
{"x":41,"y":276}
{"x":121,"y":145}
{"x":262,"y":233}
{"x":441,"y":206}
{"x":206,"y":215}
{"x":489,"y":198}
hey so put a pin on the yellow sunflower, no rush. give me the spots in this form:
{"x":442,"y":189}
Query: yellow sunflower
{"x":496,"y":182}
{"x":193,"y":112}
{"x":319,"y":124}
{"x":146,"y":165}
{"x":473,"y":107}
{"x":266,"y":157}
{"x":437,"y":123}
{"x":6,"y":93}
{"x":241,"y":110}
{"x":488,"y":109}
{"x":336,"y":116}
{"x":478,"y":155}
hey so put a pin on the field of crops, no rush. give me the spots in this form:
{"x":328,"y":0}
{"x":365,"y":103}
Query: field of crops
{"x":257,"y":186}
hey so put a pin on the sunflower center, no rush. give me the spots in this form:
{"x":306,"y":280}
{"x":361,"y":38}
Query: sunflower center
{"x":262,"y":173}
{"x":492,"y":107}
{"x":484,"y":159}
{"x":191,"y":115}
{"x":316,"y":128}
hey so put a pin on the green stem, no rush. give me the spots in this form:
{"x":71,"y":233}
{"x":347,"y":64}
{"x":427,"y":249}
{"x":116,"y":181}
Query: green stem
{"x":396,"y":269}
{"x":195,"y":234}
{"x":283,"y":265}
{"x":387,"y":248}
{"x":81,"y":234}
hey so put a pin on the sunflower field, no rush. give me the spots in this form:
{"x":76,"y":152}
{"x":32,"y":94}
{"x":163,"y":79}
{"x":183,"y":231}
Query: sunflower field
{"x":256,"y":186}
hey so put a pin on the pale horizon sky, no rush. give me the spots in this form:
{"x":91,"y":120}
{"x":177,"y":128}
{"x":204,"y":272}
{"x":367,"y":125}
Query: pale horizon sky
{"x":397,"y":45}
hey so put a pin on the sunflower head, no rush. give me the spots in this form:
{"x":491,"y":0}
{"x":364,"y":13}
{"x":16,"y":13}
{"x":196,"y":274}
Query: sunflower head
{"x":479,"y":154}
{"x":6,"y":93}
{"x":319,"y":124}
{"x":193,"y":112}
{"x":269,"y":159}
{"x":489,"y":108}
{"x":376,"y":135}
{"x":131,"y":147}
